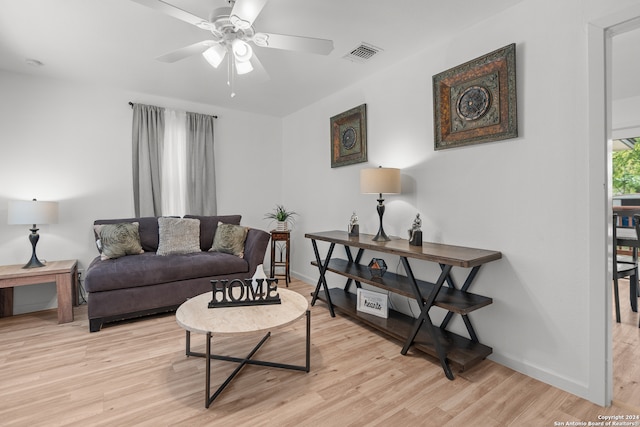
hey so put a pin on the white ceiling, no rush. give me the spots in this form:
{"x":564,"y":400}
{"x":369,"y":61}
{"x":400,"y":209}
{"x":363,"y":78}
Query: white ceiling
{"x":114,"y":43}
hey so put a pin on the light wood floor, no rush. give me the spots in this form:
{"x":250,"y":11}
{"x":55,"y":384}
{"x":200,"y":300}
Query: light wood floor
{"x":626,"y":353}
{"x":136,"y":373}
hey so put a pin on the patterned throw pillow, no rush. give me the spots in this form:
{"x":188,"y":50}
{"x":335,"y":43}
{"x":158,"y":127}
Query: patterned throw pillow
{"x":118,"y":240}
{"x":230,"y":239}
{"x":178,"y":236}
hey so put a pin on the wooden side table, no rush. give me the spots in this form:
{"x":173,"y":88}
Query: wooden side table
{"x":280,"y":236}
{"x":63,"y":273}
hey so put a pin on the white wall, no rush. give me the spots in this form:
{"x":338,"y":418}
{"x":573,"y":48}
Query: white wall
{"x":72,"y":143}
{"x":527,"y":197}
{"x":626,"y":116}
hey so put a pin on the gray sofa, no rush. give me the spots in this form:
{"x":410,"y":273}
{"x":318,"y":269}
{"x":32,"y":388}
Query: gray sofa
{"x":137,"y":285}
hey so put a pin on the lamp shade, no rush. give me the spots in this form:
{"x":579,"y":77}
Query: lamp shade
{"x":243,"y":67}
{"x":214,"y":55}
{"x":241,"y":50}
{"x":380,"y":180}
{"x":32,"y":212}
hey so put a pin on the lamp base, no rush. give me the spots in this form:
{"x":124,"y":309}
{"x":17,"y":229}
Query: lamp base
{"x":34,"y":262}
{"x":381,"y":236}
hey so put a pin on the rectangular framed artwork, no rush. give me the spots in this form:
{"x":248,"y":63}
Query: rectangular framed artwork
{"x":349,"y":137}
{"x":475,"y":102}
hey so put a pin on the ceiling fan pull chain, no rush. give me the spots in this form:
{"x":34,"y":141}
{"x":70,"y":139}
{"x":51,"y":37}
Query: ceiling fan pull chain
{"x":231,"y":77}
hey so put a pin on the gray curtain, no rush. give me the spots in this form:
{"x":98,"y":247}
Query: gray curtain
{"x":201,"y":180}
{"x":147,"y":137}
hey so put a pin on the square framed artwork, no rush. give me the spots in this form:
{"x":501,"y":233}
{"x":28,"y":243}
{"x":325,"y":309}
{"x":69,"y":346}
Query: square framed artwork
{"x":475,"y":102}
{"x":349,"y":137}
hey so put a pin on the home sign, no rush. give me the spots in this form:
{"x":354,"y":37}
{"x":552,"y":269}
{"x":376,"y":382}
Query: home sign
{"x":237,"y":293}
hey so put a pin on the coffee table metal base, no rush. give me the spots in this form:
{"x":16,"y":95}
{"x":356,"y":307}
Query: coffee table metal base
{"x":209,"y":398}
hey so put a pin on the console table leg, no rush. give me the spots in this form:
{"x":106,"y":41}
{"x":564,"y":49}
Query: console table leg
{"x":357,"y":261}
{"x":424,"y":317}
{"x":322,"y":281}
{"x":472,"y":332}
{"x":467,"y":283}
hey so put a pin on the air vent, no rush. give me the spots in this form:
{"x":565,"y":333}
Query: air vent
{"x":362,"y":53}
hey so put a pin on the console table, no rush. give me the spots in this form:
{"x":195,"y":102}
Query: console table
{"x":419,"y":332}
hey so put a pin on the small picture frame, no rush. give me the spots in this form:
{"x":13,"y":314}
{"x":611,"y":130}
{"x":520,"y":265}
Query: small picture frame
{"x":476,"y":102}
{"x":349,"y":137}
{"x":374,"y":303}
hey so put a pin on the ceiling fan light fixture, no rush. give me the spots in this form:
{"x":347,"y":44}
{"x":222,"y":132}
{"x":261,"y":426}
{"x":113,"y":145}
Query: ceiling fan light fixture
{"x":214,"y":55}
{"x":241,"y":50}
{"x":243,"y":67}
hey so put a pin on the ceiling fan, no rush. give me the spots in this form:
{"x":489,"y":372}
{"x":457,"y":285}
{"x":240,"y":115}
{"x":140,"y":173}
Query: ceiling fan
{"x":232,"y":32}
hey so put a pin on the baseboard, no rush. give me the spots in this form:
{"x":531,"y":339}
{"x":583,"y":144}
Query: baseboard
{"x":556,"y":380}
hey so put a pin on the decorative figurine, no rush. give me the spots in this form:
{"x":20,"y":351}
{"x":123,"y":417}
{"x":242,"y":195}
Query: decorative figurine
{"x":354,"y":227}
{"x":415,"y":233}
{"x":377,"y":267}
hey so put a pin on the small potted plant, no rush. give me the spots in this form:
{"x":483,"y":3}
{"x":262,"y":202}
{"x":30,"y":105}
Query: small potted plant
{"x":283,"y":217}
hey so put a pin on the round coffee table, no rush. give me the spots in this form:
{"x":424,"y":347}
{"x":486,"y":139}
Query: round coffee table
{"x":195,"y":316}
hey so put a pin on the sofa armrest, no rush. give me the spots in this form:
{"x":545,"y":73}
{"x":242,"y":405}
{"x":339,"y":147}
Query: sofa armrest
{"x":255,"y":248}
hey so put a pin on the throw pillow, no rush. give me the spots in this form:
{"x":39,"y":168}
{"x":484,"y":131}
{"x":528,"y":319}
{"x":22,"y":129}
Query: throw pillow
{"x":118,"y":240}
{"x":178,"y":236}
{"x":230,"y":239}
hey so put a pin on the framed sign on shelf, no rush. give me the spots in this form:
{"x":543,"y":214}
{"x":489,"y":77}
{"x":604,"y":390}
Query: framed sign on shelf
{"x":349,"y":137}
{"x":371,"y":302}
{"x":476,"y":102}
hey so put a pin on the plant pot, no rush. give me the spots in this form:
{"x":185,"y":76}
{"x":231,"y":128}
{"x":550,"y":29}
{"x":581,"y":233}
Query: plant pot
{"x":281,"y":226}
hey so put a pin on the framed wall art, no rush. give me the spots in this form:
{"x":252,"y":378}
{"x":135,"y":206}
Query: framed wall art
{"x":349,"y":137}
{"x":476,"y":102}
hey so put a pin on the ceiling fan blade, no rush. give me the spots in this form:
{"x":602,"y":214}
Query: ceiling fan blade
{"x":173,"y":11}
{"x":298,"y":43}
{"x":247,"y":11}
{"x":186,"y":51}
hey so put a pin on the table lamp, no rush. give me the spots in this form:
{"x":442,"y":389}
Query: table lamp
{"x":32,"y":212}
{"x":378,"y":181}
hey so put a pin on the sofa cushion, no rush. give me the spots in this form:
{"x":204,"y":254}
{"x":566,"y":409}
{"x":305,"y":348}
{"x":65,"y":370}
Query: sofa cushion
{"x":147,"y":228}
{"x":150,"y":269}
{"x":178,"y":236}
{"x":118,"y":240}
{"x":230,"y":239}
{"x":209,"y":224}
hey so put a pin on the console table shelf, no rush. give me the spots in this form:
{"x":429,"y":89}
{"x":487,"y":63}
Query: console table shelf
{"x":461,"y":351}
{"x":421,"y":333}
{"x":448,"y":298}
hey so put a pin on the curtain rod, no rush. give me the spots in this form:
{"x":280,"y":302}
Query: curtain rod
{"x":131,"y":105}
